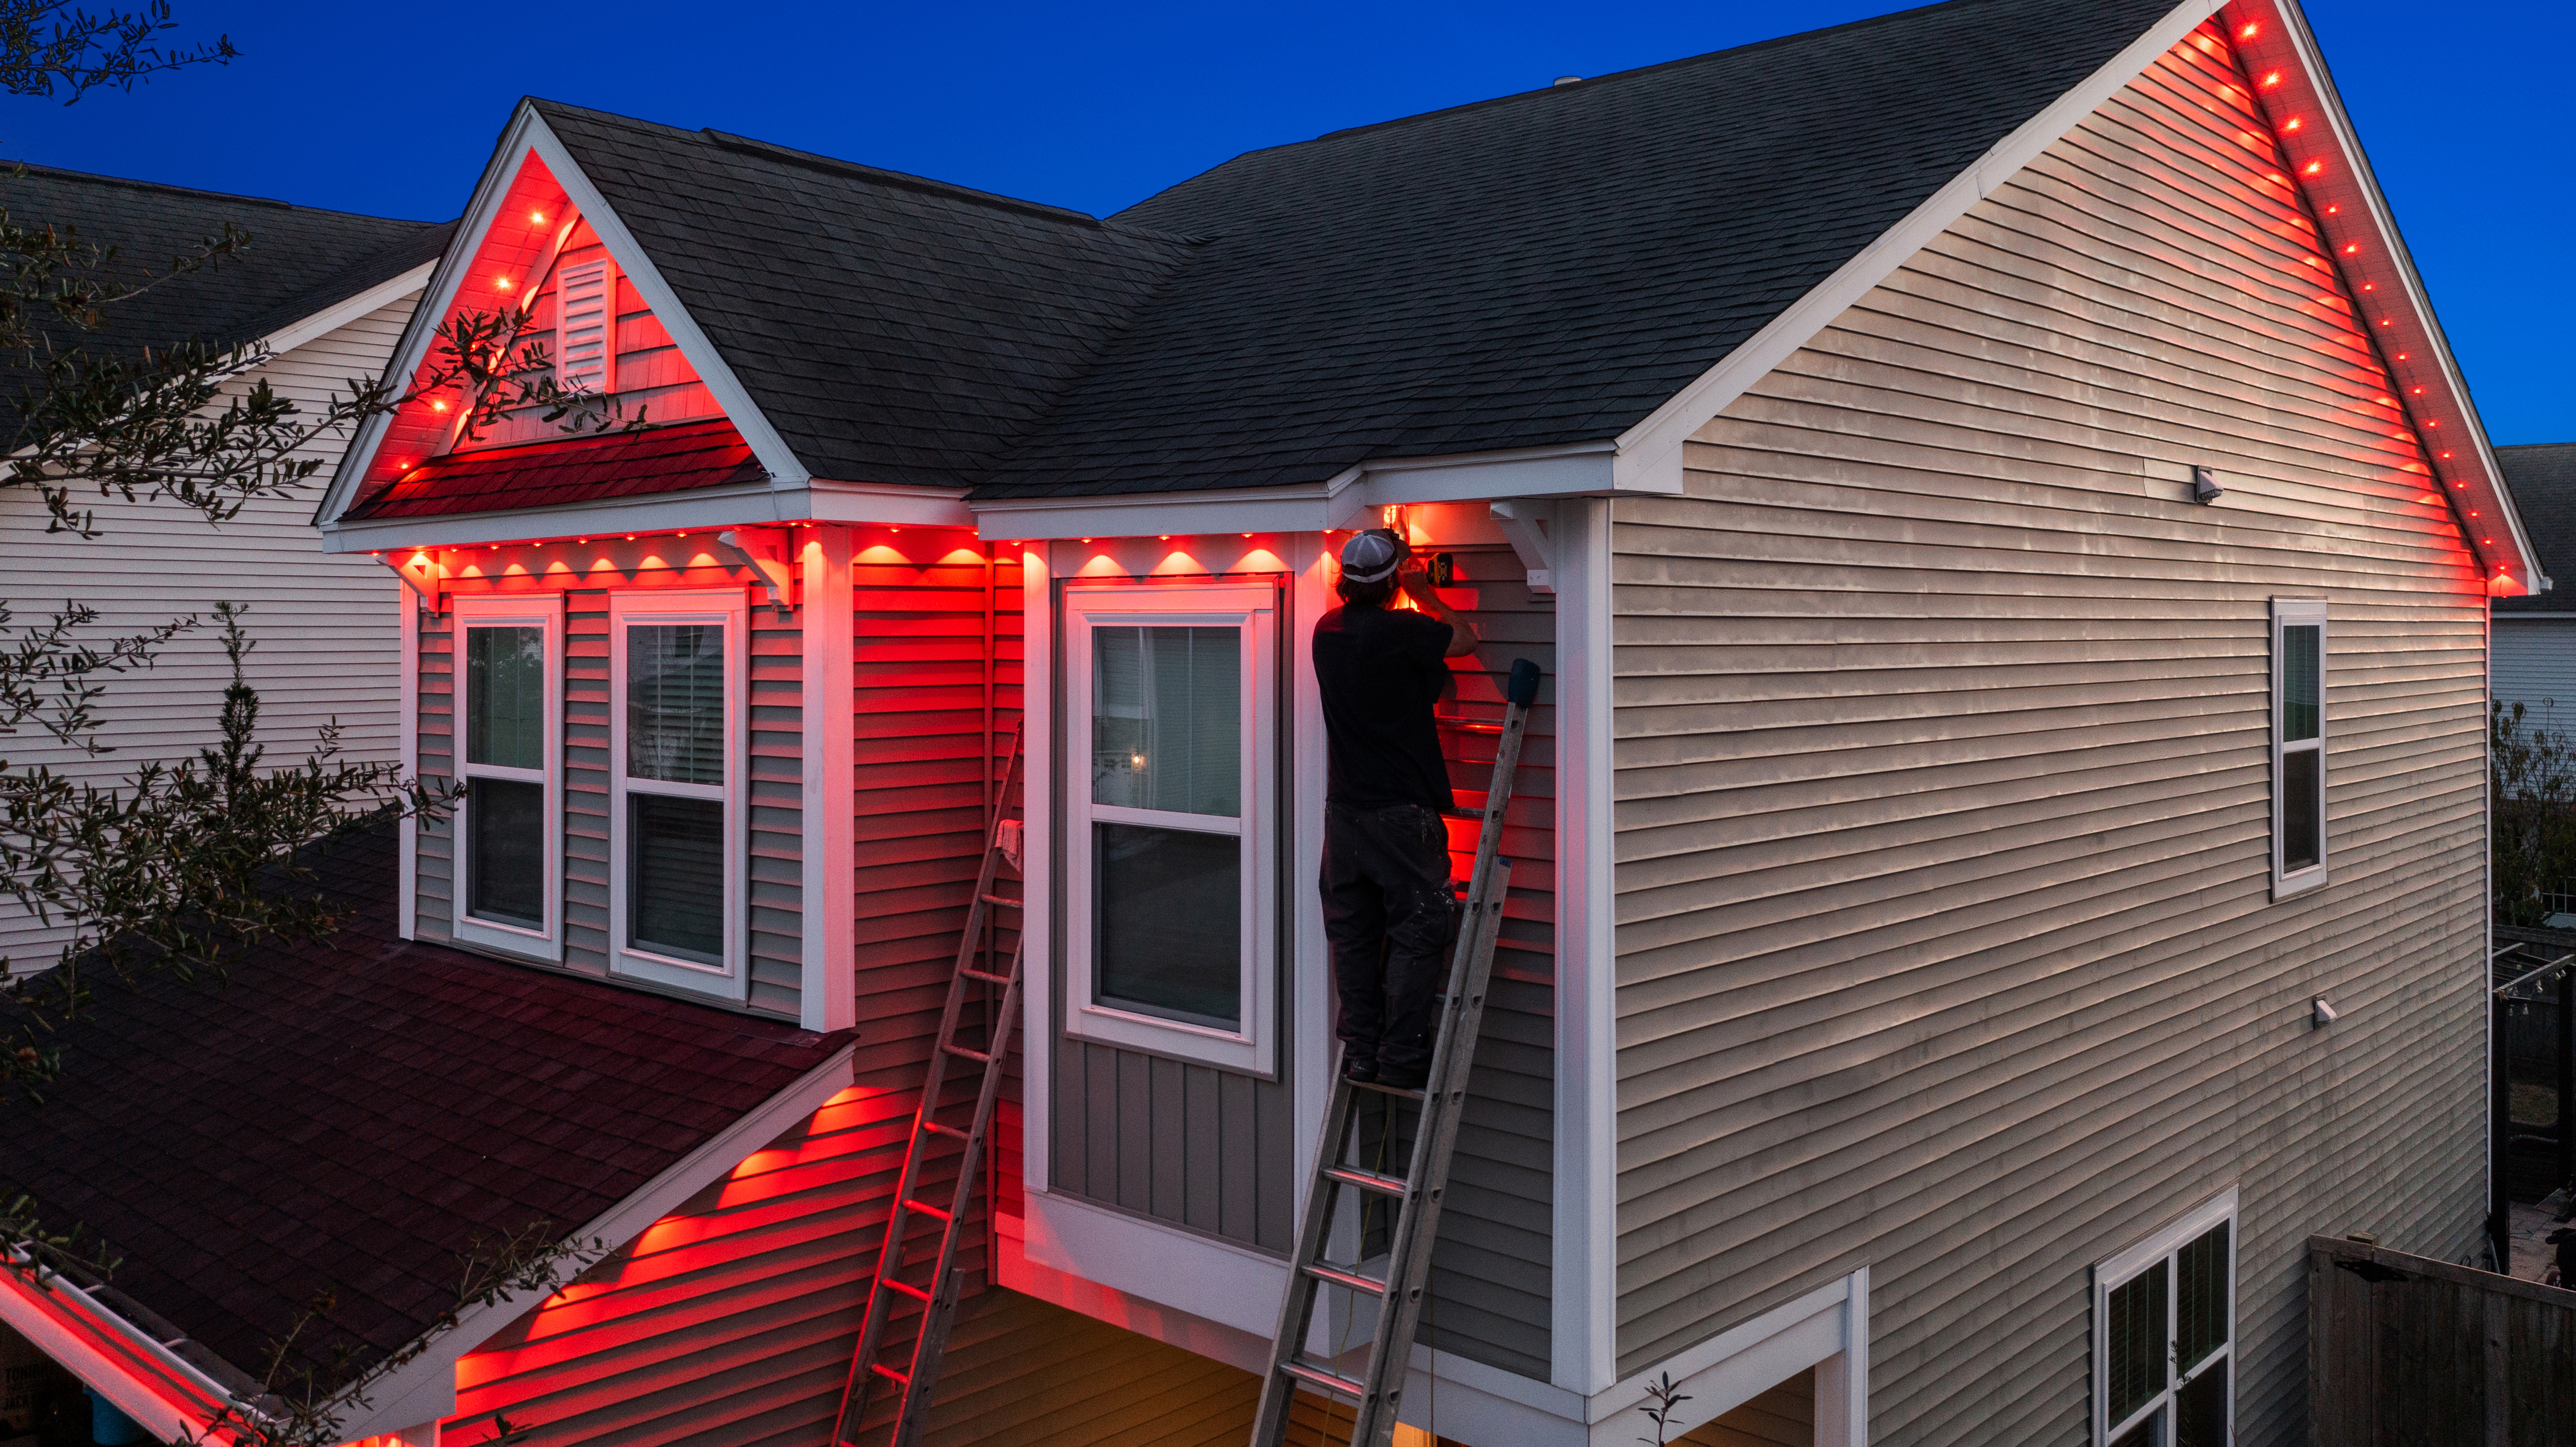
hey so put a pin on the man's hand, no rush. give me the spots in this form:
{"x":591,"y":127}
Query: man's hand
{"x":1414,"y":581}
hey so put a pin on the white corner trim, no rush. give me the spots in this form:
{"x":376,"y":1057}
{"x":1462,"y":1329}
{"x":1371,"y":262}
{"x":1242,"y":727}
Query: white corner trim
{"x":407,"y":731}
{"x":1654,"y":445}
{"x":425,"y":1388}
{"x":829,"y":820}
{"x":1584,"y":1277}
{"x":1742,"y":1363}
{"x":1037,"y":872}
{"x":348,"y":309}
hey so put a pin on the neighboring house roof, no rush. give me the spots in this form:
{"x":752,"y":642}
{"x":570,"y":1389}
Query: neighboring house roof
{"x":1547,"y":267}
{"x":355,"y":1115}
{"x":569,"y":470}
{"x":2542,"y":476}
{"x":299,"y":261}
{"x":892,"y":329}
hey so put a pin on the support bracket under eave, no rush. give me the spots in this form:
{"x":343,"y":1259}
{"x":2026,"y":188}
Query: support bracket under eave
{"x":765,"y":551}
{"x":1526,"y":526}
{"x":423,"y":575}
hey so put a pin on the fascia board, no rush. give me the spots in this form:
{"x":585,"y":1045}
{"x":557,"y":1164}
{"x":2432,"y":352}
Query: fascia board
{"x":902,"y":504}
{"x":2420,"y":328}
{"x":349,"y":309}
{"x":1653,"y":446}
{"x":739,"y":409}
{"x":653,"y":512}
{"x":446,"y":279}
{"x":1583,"y":469}
{"x":148,"y":1383}
{"x":424,"y":1390}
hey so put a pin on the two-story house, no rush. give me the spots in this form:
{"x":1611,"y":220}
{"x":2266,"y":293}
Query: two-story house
{"x":2009,"y":549}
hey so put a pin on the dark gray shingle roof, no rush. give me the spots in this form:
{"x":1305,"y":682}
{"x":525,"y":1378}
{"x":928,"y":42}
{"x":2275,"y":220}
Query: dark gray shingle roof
{"x":2542,"y":478}
{"x":1548,"y":267}
{"x":892,"y":329}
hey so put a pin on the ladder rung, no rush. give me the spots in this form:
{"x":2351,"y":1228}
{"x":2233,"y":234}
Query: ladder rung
{"x":1366,"y":1180}
{"x":1394,"y":1090}
{"x":935,"y":1128}
{"x":925,"y":1208}
{"x":1329,"y":1381}
{"x":908,"y":1289}
{"x":987,"y":976}
{"x":978,"y":1056}
{"x":1352,"y":1279}
{"x":999,"y":899}
{"x":898,"y":1378}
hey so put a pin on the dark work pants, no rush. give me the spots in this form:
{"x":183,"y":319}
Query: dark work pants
{"x":1387,"y":918}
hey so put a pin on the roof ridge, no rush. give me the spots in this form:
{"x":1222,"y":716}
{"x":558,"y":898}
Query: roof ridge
{"x":133,"y":183}
{"x":901,"y":180}
{"x":1586,"y":82}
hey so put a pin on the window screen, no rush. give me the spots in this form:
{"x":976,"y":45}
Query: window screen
{"x":505,"y":697}
{"x":675,"y":691}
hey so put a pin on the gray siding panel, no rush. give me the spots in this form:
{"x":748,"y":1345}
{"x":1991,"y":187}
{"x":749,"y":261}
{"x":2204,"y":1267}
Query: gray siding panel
{"x":585,"y":793}
{"x":2535,"y":665}
{"x":1945,"y":934}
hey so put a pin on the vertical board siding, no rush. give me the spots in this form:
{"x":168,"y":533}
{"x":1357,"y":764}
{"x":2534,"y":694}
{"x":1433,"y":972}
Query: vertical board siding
{"x":585,"y":785}
{"x":1945,"y":934}
{"x":326,"y":626}
{"x":776,"y":778}
{"x":433,"y":911}
{"x":2535,"y":665}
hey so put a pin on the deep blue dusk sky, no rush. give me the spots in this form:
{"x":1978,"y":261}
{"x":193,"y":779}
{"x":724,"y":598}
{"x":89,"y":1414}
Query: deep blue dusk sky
{"x":392,"y":109}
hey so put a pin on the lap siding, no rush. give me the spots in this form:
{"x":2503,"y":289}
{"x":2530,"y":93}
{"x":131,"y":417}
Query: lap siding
{"x":1943,"y":797}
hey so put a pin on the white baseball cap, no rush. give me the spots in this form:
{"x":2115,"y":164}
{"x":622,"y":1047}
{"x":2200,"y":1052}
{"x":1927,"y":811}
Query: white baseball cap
{"x":1372,"y":555}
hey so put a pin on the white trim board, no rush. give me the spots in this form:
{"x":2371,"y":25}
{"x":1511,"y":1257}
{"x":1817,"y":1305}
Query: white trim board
{"x":1583,"y":1285}
{"x":348,"y":309}
{"x":827,"y":822}
{"x":424,"y":1389}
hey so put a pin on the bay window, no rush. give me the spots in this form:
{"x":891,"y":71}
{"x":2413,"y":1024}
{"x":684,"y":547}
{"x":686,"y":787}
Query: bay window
{"x":677,"y":825}
{"x":1169,"y":762}
{"x":2164,"y":1327}
{"x":507,"y":889}
{"x":2298,"y":745}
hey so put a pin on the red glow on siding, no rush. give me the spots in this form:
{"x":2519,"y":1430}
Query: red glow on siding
{"x":2502,"y":585}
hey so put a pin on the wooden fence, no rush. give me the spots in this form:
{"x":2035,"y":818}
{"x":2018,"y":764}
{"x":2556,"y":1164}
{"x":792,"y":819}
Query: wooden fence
{"x":2405,"y":1351}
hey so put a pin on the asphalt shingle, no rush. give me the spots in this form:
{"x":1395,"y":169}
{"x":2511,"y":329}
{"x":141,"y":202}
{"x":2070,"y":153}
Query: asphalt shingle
{"x":2542,"y":478}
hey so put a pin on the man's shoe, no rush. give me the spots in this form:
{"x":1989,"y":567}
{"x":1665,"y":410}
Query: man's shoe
{"x":1359,"y":1069}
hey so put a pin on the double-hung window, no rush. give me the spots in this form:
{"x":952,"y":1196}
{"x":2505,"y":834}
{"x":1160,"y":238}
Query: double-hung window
{"x":507,"y":887}
{"x":2298,"y":744}
{"x":1169,"y":757}
{"x":2164,"y":1336}
{"x":677,"y":831}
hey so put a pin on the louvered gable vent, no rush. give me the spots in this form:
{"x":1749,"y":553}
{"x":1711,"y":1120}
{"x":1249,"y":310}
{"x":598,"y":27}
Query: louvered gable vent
{"x":586,"y":325}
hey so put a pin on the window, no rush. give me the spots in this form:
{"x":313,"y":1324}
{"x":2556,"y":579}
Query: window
{"x":2164,"y":1327}
{"x":1171,"y":889}
{"x":676,"y":824}
{"x":508,"y":887}
{"x":2298,"y":745}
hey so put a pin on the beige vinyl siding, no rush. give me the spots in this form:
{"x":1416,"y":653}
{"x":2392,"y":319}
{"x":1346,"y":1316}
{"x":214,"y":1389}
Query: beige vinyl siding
{"x":326,"y":627}
{"x":1945,"y":938}
{"x":1784,"y":1416}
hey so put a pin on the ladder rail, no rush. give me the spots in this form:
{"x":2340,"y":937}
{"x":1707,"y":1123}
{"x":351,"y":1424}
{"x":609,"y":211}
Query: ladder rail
{"x":919,"y":1376}
{"x":1379,"y":1389}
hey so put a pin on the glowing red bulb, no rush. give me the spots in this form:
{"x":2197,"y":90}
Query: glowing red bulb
{"x":2446,"y":457}
{"x":2293,"y":124}
{"x":536,"y":216}
{"x":2369,"y":286}
{"x":437,"y":406}
{"x":2353,"y":250}
{"x":2331,"y":210}
{"x":2314,"y":168}
{"x":2420,"y":392}
{"x":2247,"y":33}
{"x":504,"y":283}
{"x":2273,"y":79}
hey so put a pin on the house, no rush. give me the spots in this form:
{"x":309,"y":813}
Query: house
{"x":2534,"y":639}
{"x":325,"y":294}
{"x":2008,"y":547}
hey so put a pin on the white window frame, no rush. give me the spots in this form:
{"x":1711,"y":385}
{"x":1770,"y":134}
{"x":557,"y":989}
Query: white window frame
{"x":2120,"y":1270}
{"x":2289,"y":613}
{"x":730,"y":981}
{"x":1253,"y":1047}
{"x":545,"y":611}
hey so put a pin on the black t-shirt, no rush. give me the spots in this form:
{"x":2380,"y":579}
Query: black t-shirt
{"x":1380,"y":670}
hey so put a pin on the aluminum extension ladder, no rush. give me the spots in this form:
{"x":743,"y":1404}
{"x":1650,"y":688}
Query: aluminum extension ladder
{"x":918,"y":1378}
{"x":1417,"y":1192}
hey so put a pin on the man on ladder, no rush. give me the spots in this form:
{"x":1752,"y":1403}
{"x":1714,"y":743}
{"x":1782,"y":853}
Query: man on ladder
{"x":1386,"y":848}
